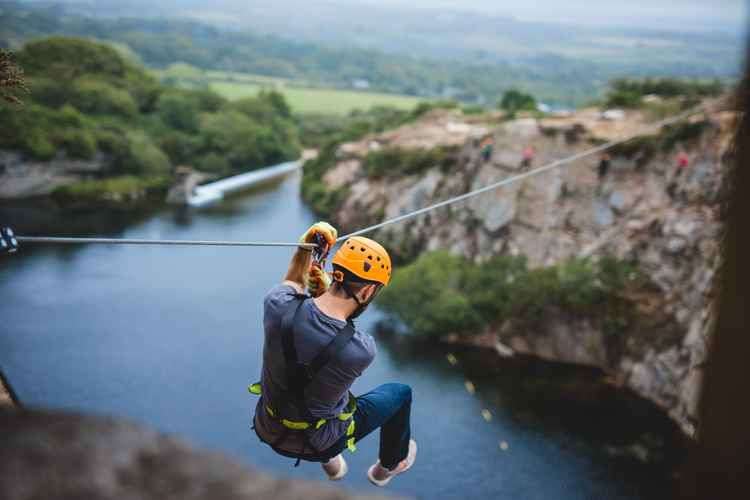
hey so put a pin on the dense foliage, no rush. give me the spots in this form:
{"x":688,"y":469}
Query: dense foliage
{"x":440,"y":293}
{"x":331,"y":132}
{"x":394,"y":161}
{"x":321,"y":198}
{"x":11,"y":79}
{"x":87,"y":101}
{"x":629,"y":92}
{"x":647,"y":146}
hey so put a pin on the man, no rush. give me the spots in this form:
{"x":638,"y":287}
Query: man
{"x":605,"y":161}
{"x":682,"y":161}
{"x":312,"y":354}
{"x":486,"y":148}
{"x":528,"y":156}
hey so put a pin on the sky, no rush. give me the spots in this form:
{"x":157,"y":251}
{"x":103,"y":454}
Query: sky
{"x":673,"y":15}
{"x":669,"y":14}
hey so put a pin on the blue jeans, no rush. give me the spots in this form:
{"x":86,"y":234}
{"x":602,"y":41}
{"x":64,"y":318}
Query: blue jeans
{"x":388,"y":407}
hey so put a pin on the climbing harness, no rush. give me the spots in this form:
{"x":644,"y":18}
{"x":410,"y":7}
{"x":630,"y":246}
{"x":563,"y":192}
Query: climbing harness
{"x":290,"y":407}
{"x":510,"y":180}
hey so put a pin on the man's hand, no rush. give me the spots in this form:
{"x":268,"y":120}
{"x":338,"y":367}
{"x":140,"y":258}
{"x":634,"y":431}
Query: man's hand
{"x":299,"y":268}
{"x":324,"y":229}
{"x":317,"y":280}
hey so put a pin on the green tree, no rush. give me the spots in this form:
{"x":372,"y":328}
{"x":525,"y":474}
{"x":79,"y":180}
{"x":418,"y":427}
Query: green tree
{"x":179,"y":110}
{"x":514,"y":100}
{"x":144,"y":156}
{"x":99,"y":97}
{"x":69,"y":57}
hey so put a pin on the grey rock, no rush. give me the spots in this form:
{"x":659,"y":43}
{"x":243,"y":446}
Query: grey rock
{"x":22,"y":178}
{"x":48,"y":455}
{"x":563,"y":340}
{"x":676,"y":245}
{"x":524,"y":128}
{"x":687,"y":229}
{"x":604,"y":215}
{"x":617,"y":201}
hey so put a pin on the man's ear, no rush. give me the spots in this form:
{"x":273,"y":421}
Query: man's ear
{"x":368,"y":291}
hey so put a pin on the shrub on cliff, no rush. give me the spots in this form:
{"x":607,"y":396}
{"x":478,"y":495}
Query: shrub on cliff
{"x":629,"y":92}
{"x":430,"y":296}
{"x":441,"y":293}
{"x":321,"y":198}
{"x":398,"y":161}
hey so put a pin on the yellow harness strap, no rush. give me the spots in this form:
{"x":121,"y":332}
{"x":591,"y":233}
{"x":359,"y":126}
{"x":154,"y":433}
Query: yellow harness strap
{"x":350,"y":434}
{"x":301,"y":426}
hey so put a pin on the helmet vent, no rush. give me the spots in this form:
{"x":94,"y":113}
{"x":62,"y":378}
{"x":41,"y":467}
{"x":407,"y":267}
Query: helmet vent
{"x":367,"y":266}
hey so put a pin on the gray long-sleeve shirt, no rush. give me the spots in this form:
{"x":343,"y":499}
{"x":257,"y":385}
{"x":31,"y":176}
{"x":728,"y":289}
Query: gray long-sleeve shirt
{"x":327,"y":395}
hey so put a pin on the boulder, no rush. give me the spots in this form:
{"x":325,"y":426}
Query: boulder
{"x":342,"y":174}
{"x":497,"y":208}
{"x":48,"y":455}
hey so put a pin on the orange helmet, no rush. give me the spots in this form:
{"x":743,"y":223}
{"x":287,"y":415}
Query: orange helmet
{"x":364,"y":258}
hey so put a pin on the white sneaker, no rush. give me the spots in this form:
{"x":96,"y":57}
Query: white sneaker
{"x":336,"y":468}
{"x":380,"y":476}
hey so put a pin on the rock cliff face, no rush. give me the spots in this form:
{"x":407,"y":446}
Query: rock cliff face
{"x":20,"y":178}
{"x":568,"y":212}
{"x":59,"y":455}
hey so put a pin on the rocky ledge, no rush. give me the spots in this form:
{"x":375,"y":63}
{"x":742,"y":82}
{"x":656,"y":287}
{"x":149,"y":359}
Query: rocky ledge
{"x":22,"y":178}
{"x":59,"y":455}
{"x":6,"y":400}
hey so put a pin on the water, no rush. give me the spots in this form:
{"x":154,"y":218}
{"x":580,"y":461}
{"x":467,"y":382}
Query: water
{"x":170,"y":337}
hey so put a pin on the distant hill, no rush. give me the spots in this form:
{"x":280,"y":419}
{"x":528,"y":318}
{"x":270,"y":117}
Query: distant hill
{"x":458,"y":55}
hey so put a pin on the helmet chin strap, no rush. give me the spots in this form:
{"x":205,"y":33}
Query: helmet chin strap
{"x":360,"y":305}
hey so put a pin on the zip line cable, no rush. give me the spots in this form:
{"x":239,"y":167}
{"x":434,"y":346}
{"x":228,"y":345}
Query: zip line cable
{"x":126,"y":241}
{"x":510,"y":180}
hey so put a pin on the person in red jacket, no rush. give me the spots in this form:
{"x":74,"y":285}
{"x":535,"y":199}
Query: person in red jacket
{"x":528,"y":156}
{"x":683,"y":161}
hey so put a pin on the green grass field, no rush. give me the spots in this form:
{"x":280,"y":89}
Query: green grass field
{"x":227,"y":76}
{"x":312,"y":100}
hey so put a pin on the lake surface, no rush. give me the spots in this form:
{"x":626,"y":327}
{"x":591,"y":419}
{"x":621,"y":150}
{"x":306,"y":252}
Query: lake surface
{"x":171,"y":336}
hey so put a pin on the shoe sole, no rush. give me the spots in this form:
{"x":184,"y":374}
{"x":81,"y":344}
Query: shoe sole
{"x":341,"y":473}
{"x":387,"y":480}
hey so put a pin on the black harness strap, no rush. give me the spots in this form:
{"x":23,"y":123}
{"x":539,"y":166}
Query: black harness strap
{"x":331,"y":350}
{"x":296,"y":377}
